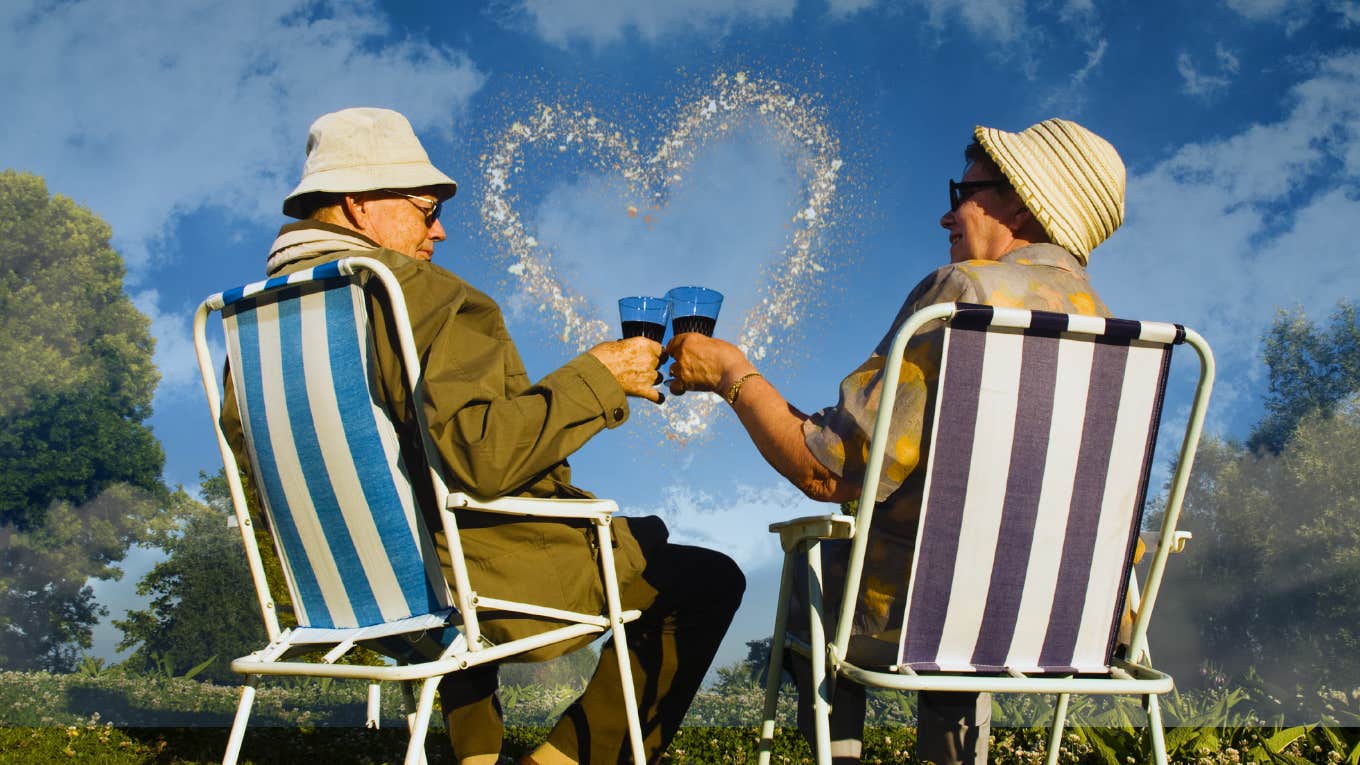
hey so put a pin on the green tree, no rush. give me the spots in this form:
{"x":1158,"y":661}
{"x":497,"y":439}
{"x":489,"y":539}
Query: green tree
{"x":79,"y":471}
{"x":1311,"y":369}
{"x":202,"y":599}
{"x":1272,"y":580}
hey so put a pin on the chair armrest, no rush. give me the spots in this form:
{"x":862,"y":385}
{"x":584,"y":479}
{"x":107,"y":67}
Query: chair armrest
{"x":830,"y":526}
{"x":1151,"y":538}
{"x":593,"y":509}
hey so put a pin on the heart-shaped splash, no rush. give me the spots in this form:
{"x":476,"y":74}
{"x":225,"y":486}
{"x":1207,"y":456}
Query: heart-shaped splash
{"x":793,"y":272}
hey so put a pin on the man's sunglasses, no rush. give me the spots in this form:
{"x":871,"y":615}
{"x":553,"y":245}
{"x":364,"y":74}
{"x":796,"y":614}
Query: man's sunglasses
{"x":431,"y":213}
{"x":961,"y":190}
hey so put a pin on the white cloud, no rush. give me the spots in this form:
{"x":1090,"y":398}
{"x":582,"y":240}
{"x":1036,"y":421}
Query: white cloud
{"x":175,"y":357}
{"x":600,"y":22}
{"x":1198,"y":83}
{"x":840,"y":9}
{"x":1222,"y":233}
{"x":736,"y":523}
{"x":1001,"y":20}
{"x":134,"y":110}
{"x":1260,"y":10}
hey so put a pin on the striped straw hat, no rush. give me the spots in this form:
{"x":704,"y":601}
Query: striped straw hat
{"x":1071,"y":179}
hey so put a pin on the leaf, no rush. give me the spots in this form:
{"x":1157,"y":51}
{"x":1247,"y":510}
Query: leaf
{"x":200,"y":667}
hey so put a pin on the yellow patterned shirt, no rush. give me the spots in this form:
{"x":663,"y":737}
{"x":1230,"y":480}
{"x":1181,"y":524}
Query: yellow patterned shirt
{"x":1040,"y":276}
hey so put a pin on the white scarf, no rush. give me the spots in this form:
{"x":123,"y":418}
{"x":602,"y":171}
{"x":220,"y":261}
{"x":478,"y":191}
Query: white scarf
{"x":296,"y":243}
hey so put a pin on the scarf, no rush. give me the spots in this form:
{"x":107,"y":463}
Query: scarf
{"x":311,"y":239}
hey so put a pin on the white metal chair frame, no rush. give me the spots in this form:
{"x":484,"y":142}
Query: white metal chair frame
{"x":1129,"y":675}
{"x":470,"y":648}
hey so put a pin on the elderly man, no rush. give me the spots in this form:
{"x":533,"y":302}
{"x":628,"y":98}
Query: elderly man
{"x":1022,"y":224}
{"x":368,"y":188}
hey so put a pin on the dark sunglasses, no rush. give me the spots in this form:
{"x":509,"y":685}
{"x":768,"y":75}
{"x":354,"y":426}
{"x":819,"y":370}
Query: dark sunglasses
{"x":431,"y":213}
{"x":961,"y":190}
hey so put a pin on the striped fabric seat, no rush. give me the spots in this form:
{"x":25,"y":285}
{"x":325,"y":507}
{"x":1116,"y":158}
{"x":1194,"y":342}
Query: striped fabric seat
{"x":1042,"y":445}
{"x":337,"y":491}
{"x":1043,"y":427}
{"x":335,"y":488}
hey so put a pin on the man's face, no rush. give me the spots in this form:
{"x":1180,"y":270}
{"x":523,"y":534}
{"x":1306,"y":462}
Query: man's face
{"x":978,"y":228}
{"x":399,"y":223}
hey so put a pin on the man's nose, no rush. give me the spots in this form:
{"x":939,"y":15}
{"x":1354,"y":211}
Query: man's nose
{"x":947,"y":219}
{"x":437,"y":232}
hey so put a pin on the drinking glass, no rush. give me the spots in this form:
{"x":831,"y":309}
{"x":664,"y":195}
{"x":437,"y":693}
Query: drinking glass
{"x":644,"y":316}
{"x":694,"y":309}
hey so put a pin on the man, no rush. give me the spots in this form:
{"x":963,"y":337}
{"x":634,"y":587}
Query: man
{"x":368,"y":188}
{"x":1022,"y":224}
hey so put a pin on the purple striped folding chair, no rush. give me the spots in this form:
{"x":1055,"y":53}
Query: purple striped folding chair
{"x":1042,"y":443}
{"x":359,"y":562}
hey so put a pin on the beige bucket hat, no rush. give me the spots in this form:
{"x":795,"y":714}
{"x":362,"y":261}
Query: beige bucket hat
{"x":364,"y":149}
{"x":1070,"y":178}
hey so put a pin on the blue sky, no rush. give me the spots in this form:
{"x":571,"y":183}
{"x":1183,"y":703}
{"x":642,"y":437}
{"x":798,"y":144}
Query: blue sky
{"x":183,"y":125}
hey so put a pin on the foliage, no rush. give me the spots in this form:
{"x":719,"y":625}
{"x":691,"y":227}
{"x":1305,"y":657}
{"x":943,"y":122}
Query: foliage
{"x":202,"y":601}
{"x":79,"y":471}
{"x":1311,"y":370}
{"x":1272,"y":578}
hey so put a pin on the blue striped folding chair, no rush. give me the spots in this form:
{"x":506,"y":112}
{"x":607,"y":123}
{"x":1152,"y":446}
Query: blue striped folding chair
{"x":360,"y":564}
{"x":1042,"y":443}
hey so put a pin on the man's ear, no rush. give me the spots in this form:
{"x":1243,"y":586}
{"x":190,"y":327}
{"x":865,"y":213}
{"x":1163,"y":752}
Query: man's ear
{"x":355,"y":214}
{"x":1021,"y":218}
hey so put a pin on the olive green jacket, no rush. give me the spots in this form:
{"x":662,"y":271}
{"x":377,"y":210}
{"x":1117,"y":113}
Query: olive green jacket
{"x":497,"y":434}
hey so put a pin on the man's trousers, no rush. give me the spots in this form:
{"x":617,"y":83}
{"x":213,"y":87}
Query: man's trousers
{"x":688,"y":596}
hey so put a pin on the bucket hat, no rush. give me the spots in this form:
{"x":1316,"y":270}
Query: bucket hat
{"x":364,"y":149}
{"x":1071,"y":179}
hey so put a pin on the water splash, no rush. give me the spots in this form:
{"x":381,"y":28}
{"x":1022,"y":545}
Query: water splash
{"x":711,"y":112}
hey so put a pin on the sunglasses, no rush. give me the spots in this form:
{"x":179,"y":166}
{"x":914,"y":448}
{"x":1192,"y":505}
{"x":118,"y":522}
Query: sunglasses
{"x":431,"y":213}
{"x":961,"y":190}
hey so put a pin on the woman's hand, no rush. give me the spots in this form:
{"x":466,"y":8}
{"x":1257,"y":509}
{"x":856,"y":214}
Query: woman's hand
{"x":704,"y":363}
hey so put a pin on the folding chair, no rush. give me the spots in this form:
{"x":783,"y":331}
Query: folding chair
{"x":360,"y":565}
{"x":1042,"y":441}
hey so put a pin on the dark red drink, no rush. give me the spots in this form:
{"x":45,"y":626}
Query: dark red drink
{"x":648,"y":329}
{"x":702,"y":324}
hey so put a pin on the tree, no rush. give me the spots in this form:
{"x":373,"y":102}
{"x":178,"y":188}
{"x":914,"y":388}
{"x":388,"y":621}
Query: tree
{"x":1272,"y":580}
{"x":79,"y":471}
{"x":1310,"y":370}
{"x":202,"y":598}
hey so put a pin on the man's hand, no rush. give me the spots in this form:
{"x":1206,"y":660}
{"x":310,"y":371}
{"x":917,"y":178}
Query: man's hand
{"x":634,"y":362}
{"x":705,"y":363}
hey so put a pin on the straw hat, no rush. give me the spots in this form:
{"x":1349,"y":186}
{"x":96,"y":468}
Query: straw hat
{"x":1071,"y":179}
{"x":364,"y":149}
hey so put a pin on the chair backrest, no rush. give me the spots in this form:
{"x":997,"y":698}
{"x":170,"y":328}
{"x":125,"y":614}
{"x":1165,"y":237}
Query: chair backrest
{"x":335,"y":486}
{"x":1043,"y":434}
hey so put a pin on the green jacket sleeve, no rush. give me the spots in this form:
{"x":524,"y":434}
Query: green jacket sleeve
{"x":496,"y":433}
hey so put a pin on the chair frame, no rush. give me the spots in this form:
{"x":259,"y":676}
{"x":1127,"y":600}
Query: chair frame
{"x":469,"y":648}
{"x":1132,"y":675}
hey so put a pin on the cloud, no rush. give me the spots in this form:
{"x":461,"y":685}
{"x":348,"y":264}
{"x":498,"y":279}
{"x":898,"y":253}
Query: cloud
{"x":175,"y":356}
{"x":1262,"y":10}
{"x":1001,"y":20}
{"x":839,"y":9}
{"x":737,"y":523}
{"x":723,"y":224}
{"x":1197,"y":83}
{"x":1221,"y":233}
{"x":601,"y":22}
{"x":132,"y":110}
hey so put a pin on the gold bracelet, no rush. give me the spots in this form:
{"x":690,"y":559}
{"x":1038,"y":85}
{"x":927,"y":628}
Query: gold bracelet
{"x":735,"y":390}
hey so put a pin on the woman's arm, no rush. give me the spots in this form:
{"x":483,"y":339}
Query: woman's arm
{"x":775,"y":427}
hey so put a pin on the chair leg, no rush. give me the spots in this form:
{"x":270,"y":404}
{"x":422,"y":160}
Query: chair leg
{"x":620,"y":636}
{"x":775,"y":668}
{"x":1155,"y":730}
{"x":238,"y":727}
{"x":1055,"y":736}
{"x":821,"y":704}
{"x":373,"y":713}
{"x":408,"y":702}
{"x":420,"y":724}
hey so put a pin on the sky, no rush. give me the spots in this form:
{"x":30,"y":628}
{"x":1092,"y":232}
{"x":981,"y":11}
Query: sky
{"x":793,"y":154}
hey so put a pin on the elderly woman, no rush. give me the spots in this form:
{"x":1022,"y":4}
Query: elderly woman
{"x":1022,"y":223}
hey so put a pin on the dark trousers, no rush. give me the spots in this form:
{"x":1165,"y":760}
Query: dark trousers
{"x":688,"y":596}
